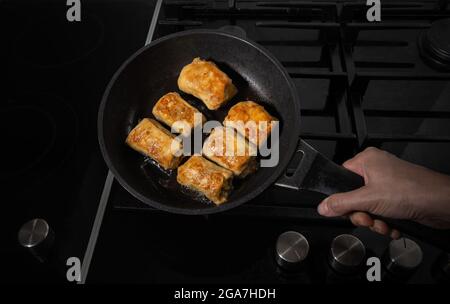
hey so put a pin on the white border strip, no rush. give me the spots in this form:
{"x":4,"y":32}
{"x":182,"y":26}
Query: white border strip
{"x":109,"y":179}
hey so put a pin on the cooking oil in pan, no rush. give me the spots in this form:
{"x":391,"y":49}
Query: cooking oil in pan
{"x":167,"y":179}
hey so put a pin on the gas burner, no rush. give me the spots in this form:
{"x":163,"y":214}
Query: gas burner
{"x":40,"y":131}
{"x":58,"y":42}
{"x":434,"y":45}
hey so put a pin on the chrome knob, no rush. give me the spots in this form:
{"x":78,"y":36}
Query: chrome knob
{"x":37,"y":236}
{"x":402,"y":257}
{"x":347,"y":254}
{"x":292,"y":249}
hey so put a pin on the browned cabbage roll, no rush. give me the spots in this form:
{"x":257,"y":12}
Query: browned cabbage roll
{"x":205,"y":177}
{"x":230,"y":150}
{"x":173,"y":108}
{"x":250,"y":111}
{"x":206,"y":81}
{"x":150,"y":138}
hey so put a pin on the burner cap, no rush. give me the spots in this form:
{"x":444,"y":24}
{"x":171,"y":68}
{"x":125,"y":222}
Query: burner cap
{"x":434,"y":45}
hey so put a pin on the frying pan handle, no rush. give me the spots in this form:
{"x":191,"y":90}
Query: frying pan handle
{"x":317,"y":173}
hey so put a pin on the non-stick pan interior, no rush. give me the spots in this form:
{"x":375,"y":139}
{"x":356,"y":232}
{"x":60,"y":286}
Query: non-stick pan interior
{"x":153,"y":72}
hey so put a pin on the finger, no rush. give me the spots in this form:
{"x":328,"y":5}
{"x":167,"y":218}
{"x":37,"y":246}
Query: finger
{"x":380,"y":227}
{"x":346,"y":202}
{"x":361,"y":219}
{"x":395,"y":234}
{"x":355,"y":165}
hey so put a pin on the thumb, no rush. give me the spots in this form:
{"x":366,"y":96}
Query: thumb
{"x":346,"y":202}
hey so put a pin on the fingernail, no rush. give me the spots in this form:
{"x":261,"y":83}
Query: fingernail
{"x":323,"y":208}
{"x":376,"y":229}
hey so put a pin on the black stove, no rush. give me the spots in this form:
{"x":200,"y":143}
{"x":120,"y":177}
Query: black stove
{"x":383,"y":84}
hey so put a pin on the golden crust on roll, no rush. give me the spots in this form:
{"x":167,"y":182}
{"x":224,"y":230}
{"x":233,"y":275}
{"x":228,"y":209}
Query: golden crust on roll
{"x":172,"y":108}
{"x":207,"y":178}
{"x":249,"y":111}
{"x":150,"y":138}
{"x":207,"y":82}
{"x":229,"y":149}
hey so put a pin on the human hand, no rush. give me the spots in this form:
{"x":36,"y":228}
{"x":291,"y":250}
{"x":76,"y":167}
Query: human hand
{"x":394,"y":188}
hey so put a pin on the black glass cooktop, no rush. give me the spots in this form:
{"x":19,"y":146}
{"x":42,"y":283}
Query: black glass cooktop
{"x":54,"y":75}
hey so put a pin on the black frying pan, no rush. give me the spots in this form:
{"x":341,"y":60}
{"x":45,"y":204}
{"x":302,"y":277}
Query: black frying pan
{"x":153,"y":71}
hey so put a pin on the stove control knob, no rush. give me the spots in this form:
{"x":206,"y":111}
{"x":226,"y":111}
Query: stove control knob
{"x":292,"y":249}
{"x":37,"y":236}
{"x":347,"y":254}
{"x":402,"y":257}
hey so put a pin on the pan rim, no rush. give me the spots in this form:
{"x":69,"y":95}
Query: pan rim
{"x":280,"y":168}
